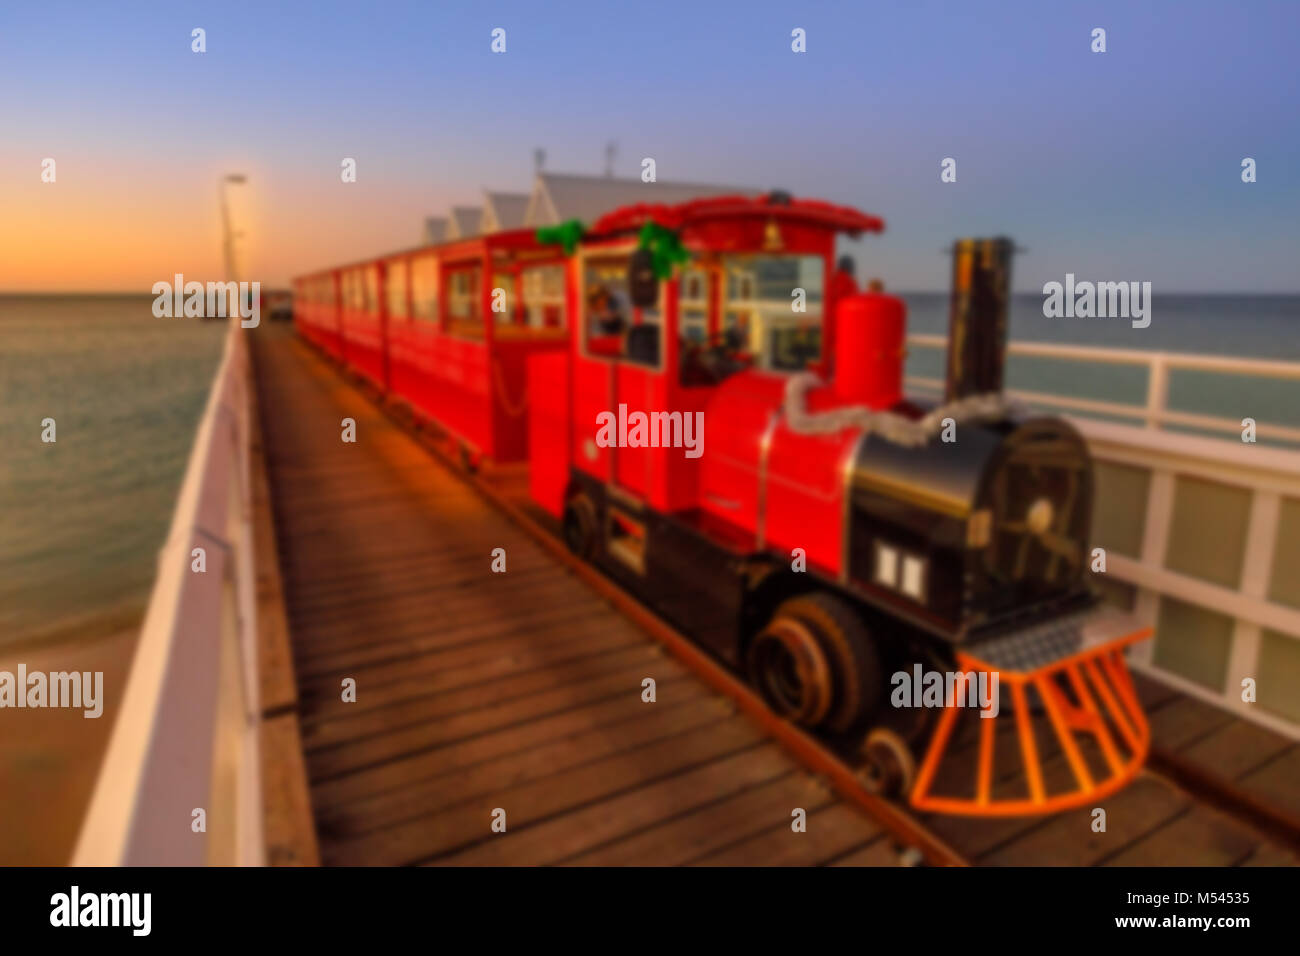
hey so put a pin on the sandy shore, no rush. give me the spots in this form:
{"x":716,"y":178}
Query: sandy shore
{"x":49,"y":758}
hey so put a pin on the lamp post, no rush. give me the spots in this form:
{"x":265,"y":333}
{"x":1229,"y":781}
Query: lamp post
{"x":227,"y":231}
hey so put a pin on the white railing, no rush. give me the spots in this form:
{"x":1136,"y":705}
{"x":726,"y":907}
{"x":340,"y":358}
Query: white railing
{"x":186,"y":735}
{"x":1269,"y":474}
{"x":1156,"y":412}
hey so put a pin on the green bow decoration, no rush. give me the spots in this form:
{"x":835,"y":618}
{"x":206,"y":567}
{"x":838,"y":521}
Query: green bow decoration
{"x":567,"y":235}
{"x":665,"y":247}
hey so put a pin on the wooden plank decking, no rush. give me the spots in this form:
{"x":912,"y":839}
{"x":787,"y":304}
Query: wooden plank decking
{"x":522,"y":691}
{"x":477,"y":690}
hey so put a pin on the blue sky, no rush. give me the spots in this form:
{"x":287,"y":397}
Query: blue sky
{"x":1122,"y":165}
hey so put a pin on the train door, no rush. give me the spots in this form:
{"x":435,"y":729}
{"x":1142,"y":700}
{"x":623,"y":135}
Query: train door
{"x":629,"y":342}
{"x":596,"y":346}
{"x":617,"y":372}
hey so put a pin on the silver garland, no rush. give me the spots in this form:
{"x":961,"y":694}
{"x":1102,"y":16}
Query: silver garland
{"x":891,"y":426}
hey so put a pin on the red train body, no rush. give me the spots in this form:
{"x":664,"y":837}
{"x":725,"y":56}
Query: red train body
{"x":414,"y":325}
{"x":715,"y":416}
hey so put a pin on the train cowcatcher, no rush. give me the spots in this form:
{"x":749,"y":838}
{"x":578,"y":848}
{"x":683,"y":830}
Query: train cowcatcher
{"x":833,"y":540}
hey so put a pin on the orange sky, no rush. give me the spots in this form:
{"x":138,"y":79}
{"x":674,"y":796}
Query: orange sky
{"x":89,"y":231}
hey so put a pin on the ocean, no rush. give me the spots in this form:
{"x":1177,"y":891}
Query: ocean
{"x":81,"y":519}
{"x":1247,"y":326}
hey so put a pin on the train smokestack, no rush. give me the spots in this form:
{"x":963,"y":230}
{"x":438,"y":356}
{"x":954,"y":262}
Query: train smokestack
{"x":977,"y":322}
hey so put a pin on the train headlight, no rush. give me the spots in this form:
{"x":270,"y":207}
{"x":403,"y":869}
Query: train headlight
{"x":886,"y":565}
{"x":913,"y":583}
{"x":901,"y":571}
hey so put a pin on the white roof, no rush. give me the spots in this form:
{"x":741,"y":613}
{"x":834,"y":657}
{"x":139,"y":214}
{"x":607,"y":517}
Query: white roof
{"x":559,"y":197}
{"x":465,"y":221}
{"x":503,"y":211}
{"x":435,"y":230}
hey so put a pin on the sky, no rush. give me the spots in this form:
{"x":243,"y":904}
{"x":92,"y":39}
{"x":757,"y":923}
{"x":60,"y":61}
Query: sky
{"x":1123,"y":165}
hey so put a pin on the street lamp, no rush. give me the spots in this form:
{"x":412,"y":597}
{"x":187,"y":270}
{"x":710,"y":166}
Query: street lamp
{"x":228,"y":234}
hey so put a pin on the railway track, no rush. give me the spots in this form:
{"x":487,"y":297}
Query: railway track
{"x":933,"y":840}
{"x":1270,"y":822}
{"x":916,"y":842}
{"x":375,"y":791}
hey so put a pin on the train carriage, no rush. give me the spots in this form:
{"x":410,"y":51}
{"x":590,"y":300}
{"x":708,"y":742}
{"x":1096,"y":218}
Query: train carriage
{"x":448,"y":330}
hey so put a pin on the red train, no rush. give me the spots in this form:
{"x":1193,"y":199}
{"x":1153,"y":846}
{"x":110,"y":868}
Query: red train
{"x":715,"y":415}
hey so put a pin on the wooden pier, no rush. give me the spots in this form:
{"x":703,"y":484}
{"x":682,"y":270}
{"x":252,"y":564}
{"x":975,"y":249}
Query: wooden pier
{"x":372,"y":692}
{"x":479,"y":691}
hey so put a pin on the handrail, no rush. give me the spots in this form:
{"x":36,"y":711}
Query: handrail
{"x":186,"y":735}
{"x":1268,"y":474}
{"x":1155,"y":412}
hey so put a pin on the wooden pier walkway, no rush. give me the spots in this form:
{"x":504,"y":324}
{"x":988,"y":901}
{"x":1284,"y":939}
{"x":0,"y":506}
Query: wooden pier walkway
{"x":479,"y":692}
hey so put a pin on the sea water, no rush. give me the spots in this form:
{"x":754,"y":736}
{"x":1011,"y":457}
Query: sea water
{"x":82,"y":518}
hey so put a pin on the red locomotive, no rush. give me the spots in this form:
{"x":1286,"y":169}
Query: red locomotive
{"x":715,"y":416}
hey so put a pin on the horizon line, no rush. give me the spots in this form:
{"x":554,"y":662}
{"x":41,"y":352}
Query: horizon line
{"x":899,"y":292}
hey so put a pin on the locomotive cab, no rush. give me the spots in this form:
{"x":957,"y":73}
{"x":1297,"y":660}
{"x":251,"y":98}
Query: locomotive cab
{"x":737,"y":450}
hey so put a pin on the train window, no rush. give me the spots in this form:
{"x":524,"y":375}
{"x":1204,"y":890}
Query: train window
{"x":395,"y":288}
{"x":761,"y":298}
{"x":693,"y":306}
{"x":352,"y":293}
{"x":613,"y":328}
{"x":703,"y":358}
{"x":370,"y":288}
{"x":424,"y":288}
{"x":505,"y":282}
{"x":463,"y":303}
{"x":544,"y":296}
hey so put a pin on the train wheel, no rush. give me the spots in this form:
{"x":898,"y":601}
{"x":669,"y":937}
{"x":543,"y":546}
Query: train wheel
{"x":580,"y":526}
{"x":788,"y":666}
{"x":857,"y":680}
{"x":890,"y":767}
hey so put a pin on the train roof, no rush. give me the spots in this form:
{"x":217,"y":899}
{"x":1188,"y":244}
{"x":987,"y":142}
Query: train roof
{"x":629,"y":218}
{"x":772,"y":205}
